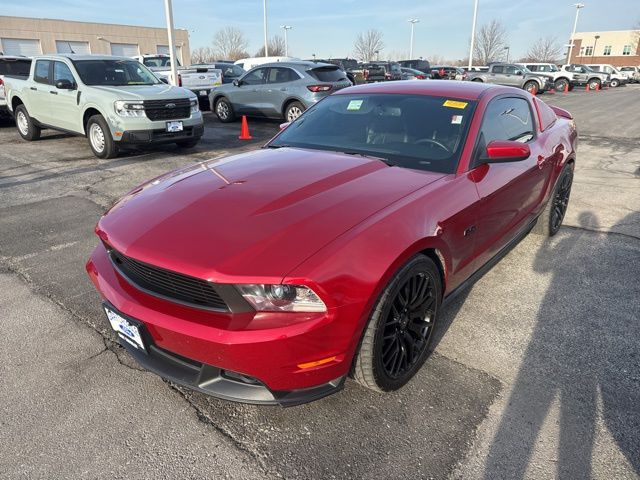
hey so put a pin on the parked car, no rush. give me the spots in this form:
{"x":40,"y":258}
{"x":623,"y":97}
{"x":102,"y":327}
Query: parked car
{"x":616,"y":78}
{"x":13,"y":66}
{"x":381,"y":71}
{"x":114,"y":101}
{"x":513,"y":75}
{"x":277,"y":90}
{"x":422,"y":65}
{"x":562,"y":80}
{"x":632,"y":73}
{"x":331,"y":251}
{"x":249,"y":63}
{"x":584,"y":75}
{"x":229,"y":70}
{"x":447,"y":72}
{"x":413,"y":74}
{"x":347,"y":65}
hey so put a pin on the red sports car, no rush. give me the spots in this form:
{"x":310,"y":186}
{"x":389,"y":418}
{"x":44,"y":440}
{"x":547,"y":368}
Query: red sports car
{"x":270,"y":276}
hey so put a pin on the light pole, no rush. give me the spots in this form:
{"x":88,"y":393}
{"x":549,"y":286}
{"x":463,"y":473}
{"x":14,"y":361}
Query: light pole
{"x":168,"y":11}
{"x":413,"y":22}
{"x":507,"y":49}
{"x":594,"y":46}
{"x":575,"y":25}
{"x":473,"y":32}
{"x":286,"y":40}
{"x":266,"y":40}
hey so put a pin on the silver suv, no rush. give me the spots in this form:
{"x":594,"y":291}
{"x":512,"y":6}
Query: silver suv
{"x":277,"y":90}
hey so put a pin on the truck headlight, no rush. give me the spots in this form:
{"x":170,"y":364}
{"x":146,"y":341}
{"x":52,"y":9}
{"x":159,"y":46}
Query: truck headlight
{"x":282,"y":298}
{"x":129,"y":108}
{"x":195,"y":106}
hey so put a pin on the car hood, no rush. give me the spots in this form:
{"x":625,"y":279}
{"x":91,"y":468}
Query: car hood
{"x":145,"y":92}
{"x":253,"y":216}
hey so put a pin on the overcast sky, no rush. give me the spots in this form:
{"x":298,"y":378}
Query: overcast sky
{"x":329,"y":27}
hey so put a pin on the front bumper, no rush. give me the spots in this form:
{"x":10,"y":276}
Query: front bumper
{"x":158,"y":136}
{"x":216,"y":352}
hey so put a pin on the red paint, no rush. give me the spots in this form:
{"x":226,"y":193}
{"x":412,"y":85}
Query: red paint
{"x":340,"y":224}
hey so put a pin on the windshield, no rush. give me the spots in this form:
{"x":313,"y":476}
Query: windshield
{"x":114,"y":72}
{"x":410,"y":131}
{"x":154,"y":62}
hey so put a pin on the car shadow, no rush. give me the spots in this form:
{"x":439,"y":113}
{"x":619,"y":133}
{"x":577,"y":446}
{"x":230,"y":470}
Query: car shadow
{"x":583,"y":354}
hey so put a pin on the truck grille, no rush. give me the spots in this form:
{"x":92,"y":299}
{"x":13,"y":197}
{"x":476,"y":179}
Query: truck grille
{"x":167,"y":109}
{"x":167,"y":284}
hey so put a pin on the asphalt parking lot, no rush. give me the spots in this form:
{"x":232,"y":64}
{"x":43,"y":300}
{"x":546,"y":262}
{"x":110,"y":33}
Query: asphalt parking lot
{"x":535,"y":373}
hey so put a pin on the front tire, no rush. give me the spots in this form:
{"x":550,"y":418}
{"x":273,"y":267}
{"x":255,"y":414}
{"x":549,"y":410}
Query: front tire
{"x":531,"y":87}
{"x":615,"y":83}
{"x":100,"y":139}
{"x":594,"y":84}
{"x":551,"y":218}
{"x":25,"y":124}
{"x":396,"y":340}
{"x":561,"y":85}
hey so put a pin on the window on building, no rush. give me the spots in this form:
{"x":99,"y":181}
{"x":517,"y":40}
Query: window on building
{"x":607,"y":50}
{"x":588,"y":51}
{"x":626,"y":50}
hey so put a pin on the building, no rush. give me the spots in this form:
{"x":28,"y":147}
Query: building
{"x":620,"y":48}
{"x":35,"y":36}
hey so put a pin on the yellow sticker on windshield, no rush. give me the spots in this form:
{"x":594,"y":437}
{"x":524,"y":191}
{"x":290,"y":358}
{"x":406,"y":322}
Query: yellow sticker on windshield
{"x":454,"y":104}
{"x":354,"y":104}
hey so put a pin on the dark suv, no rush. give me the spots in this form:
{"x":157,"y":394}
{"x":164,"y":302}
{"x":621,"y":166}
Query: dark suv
{"x":422,"y":65}
{"x":381,"y":71}
{"x":347,"y":65}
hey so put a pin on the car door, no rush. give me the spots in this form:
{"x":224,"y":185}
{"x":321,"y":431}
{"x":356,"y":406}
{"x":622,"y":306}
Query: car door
{"x":39,"y":105}
{"x":64,"y":104}
{"x":497,"y":75}
{"x":513,"y":76}
{"x":246,"y":97}
{"x":280,"y":81}
{"x":510,"y":192}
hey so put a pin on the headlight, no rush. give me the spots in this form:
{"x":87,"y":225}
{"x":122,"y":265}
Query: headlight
{"x":195,"y":105}
{"x":282,"y":298}
{"x":129,"y":108}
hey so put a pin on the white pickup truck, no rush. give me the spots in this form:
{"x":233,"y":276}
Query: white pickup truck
{"x":114,"y":101}
{"x":200,"y":80}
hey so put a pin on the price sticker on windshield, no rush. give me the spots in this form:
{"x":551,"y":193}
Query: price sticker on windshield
{"x":355,"y":104}
{"x":455,"y":104}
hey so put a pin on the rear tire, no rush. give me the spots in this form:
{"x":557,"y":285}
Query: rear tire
{"x":477,"y":80}
{"x":551,"y":218}
{"x":100,"y":139}
{"x":293,"y":111}
{"x":594,"y":84}
{"x":25,"y":124}
{"x":395,"y":342}
{"x":224,"y":111}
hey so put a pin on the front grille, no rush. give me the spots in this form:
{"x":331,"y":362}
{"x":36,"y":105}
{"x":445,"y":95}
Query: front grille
{"x":167,"y":284}
{"x":167,"y":109}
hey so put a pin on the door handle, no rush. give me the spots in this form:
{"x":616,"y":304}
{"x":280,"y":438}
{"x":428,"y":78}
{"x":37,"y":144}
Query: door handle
{"x":283,"y":89}
{"x":33,"y":88}
{"x":53,"y":92}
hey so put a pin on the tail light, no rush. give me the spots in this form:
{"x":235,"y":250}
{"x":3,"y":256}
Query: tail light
{"x":420,"y":77}
{"x":318,"y":88}
{"x":365,"y":74}
{"x":1,"y":82}
{"x":387,"y":76}
{"x":179,"y":80}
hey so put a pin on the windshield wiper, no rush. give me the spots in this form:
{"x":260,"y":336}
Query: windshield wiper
{"x":277,"y":146}
{"x":372,"y":157}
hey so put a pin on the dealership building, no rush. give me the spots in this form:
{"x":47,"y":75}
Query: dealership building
{"x":36,"y":36}
{"x":620,"y":48}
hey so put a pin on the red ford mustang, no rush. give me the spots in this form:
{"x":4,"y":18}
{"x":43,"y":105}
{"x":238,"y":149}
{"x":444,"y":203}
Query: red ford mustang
{"x":270,"y":276}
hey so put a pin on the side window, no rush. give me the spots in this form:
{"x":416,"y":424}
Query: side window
{"x":535,"y":68}
{"x":62,"y":72}
{"x":281,"y":75}
{"x":257,"y":77}
{"x":498,"y":69}
{"x":41,"y":74}
{"x":506,"y":119}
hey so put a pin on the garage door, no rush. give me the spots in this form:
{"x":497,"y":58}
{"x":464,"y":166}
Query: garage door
{"x":64,"y":46}
{"x":20,"y":46}
{"x":124,"y":49}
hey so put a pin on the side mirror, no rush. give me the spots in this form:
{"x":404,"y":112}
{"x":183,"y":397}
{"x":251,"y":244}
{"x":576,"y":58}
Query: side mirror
{"x":499,"y":151}
{"x":237,"y":82}
{"x":65,"y":84}
{"x":518,"y":72}
{"x":284,"y":125}
{"x":164,"y":80}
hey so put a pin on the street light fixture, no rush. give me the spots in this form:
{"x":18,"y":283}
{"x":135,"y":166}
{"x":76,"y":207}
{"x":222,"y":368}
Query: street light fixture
{"x":594,"y":46}
{"x":473,"y":32}
{"x":286,"y":40}
{"x":413,"y":22}
{"x":575,"y":25}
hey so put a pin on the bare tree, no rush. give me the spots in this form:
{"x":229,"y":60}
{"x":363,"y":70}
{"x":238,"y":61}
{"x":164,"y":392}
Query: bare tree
{"x":230,"y":44}
{"x":368,"y":45}
{"x":490,"y":43}
{"x":276,"y":47}
{"x":203,"y":55}
{"x":546,"y":50}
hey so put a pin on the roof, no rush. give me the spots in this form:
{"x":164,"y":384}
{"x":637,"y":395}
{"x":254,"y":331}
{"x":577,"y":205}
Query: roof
{"x":296,"y":63}
{"x":435,"y":88}
{"x":73,"y":56}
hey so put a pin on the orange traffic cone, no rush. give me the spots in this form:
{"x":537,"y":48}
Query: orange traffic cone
{"x":552,"y":91}
{"x":597,"y":87}
{"x":244,"y":132}
{"x":566,"y":88}
{"x":587,"y":88}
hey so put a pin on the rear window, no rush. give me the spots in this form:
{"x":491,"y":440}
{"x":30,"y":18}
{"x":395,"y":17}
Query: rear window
{"x":327,"y":74}
{"x":155,"y":62}
{"x":15,"y":67}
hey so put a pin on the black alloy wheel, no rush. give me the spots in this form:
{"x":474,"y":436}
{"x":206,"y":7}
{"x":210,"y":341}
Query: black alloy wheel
{"x":561,"y":200}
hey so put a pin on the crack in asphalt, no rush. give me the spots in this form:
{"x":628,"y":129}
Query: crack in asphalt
{"x":605,"y":232}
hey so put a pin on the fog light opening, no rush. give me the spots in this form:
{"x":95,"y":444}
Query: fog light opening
{"x":238,"y":377}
